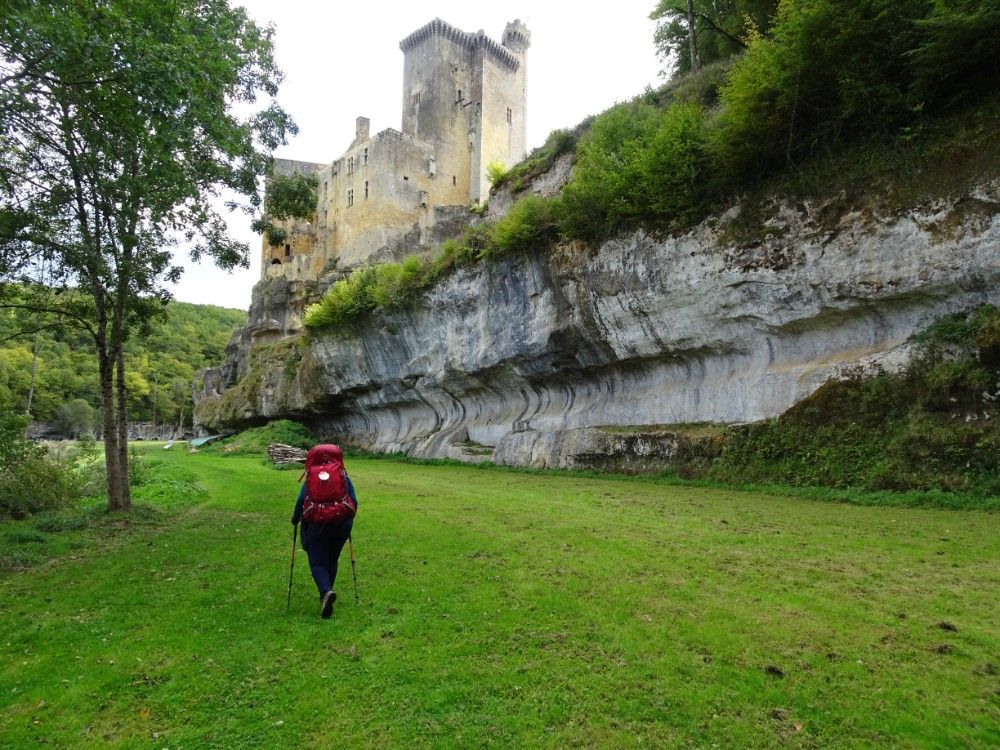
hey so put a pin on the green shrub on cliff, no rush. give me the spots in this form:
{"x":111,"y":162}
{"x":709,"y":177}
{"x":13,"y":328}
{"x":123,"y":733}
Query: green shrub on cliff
{"x":529,"y":225}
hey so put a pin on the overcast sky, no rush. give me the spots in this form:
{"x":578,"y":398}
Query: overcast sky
{"x":342,"y":59}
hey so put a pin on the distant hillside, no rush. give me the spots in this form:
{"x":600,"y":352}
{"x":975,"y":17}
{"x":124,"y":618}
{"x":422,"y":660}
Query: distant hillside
{"x":191,"y":337}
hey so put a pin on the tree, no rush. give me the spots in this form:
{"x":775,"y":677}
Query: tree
{"x":121,"y":121}
{"x":286,"y":196}
{"x":75,"y":418}
{"x":690,"y":33}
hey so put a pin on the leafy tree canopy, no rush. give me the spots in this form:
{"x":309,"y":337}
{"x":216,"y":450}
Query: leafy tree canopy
{"x":121,"y":127}
{"x":286,"y":196}
{"x":722,"y":28}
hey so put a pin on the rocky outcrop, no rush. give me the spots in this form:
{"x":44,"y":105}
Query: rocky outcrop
{"x":545,"y":185}
{"x":531,"y":360}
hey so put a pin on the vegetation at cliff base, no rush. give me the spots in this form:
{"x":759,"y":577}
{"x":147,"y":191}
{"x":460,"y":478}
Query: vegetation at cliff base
{"x":934,"y":427}
{"x":798,"y":92}
{"x":254,"y":441}
{"x":550,"y":611}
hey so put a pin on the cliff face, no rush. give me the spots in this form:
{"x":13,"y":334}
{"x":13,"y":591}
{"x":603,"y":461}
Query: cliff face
{"x":559,"y":360}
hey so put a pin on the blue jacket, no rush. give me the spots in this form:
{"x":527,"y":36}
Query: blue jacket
{"x":297,"y":513}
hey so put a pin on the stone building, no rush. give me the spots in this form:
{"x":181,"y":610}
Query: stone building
{"x":464,"y":100}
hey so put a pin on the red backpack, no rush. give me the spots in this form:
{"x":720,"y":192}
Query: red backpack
{"x":327,"y":499}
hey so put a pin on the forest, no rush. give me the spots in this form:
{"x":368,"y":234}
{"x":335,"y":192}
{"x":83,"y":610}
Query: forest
{"x":56,"y":369}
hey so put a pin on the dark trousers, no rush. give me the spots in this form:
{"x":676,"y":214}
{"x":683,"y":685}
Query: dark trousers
{"x":323,"y":543}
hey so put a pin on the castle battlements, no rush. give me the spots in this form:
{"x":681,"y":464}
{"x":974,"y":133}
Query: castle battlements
{"x":463,"y":107}
{"x":478,"y":40}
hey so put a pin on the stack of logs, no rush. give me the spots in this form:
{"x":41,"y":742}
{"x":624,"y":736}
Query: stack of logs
{"x":282,"y":454}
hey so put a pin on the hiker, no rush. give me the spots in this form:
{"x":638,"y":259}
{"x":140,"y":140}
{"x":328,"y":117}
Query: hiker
{"x":326,"y":506}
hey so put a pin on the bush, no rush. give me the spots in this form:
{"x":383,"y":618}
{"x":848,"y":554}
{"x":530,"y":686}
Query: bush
{"x":30,"y":479}
{"x":826,"y":73}
{"x":541,"y":159}
{"x":496,"y":171}
{"x":957,"y":51}
{"x":36,"y":484}
{"x":605,"y":194}
{"x":530,"y":225}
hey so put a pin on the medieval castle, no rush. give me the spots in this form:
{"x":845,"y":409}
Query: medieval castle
{"x":463,"y":108}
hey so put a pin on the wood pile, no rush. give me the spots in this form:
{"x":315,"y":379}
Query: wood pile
{"x":282,"y":454}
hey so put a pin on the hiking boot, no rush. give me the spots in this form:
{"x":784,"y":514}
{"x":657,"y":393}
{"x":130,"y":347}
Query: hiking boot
{"x":328,"y":599}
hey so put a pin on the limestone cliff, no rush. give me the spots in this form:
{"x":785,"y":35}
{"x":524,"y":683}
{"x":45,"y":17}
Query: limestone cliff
{"x":544,"y":361}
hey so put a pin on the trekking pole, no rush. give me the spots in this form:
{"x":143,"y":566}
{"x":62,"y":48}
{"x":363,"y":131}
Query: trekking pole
{"x":295,"y":539}
{"x":354,"y":572}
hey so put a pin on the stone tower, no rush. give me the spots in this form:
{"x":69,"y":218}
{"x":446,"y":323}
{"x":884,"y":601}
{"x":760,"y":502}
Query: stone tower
{"x":465,"y":94}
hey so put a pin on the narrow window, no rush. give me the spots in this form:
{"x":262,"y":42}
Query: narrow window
{"x":350,"y":197}
{"x":510,"y":115}
{"x":460,"y":94}
{"x":454,"y":179}
{"x":366,"y":188}
{"x":366,"y":154}
{"x":288,"y":251}
{"x":416,"y":98}
{"x":350,"y":165}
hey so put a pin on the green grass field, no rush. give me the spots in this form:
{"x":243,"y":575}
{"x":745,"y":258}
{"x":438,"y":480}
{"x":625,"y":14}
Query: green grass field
{"x":508,"y":610}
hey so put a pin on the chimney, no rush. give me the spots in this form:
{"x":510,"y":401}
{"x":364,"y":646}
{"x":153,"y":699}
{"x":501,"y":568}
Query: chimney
{"x":361,"y":130}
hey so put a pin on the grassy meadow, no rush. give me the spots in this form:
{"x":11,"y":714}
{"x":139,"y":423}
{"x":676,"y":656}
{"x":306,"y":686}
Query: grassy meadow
{"x":500,"y":609}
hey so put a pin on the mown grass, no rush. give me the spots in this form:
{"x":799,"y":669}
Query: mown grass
{"x":549,"y":611}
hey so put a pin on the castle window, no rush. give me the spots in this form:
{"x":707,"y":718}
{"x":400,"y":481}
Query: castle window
{"x":416,"y":98}
{"x":288,"y":251}
{"x":454,"y":179}
{"x":510,"y":115}
{"x":460,"y":94}
{"x":366,"y":188}
{"x":350,"y":165}
{"x":275,"y":262}
{"x":366,"y":155}
{"x":350,"y":197}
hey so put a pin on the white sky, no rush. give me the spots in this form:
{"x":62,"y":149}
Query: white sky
{"x":342,"y":59}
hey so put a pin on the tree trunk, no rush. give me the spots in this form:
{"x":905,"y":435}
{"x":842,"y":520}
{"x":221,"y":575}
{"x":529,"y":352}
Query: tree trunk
{"x":121,"y":418}
{"x":111,"y":464}
{"x":34,"y":371}
{"x":692,"y":39}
